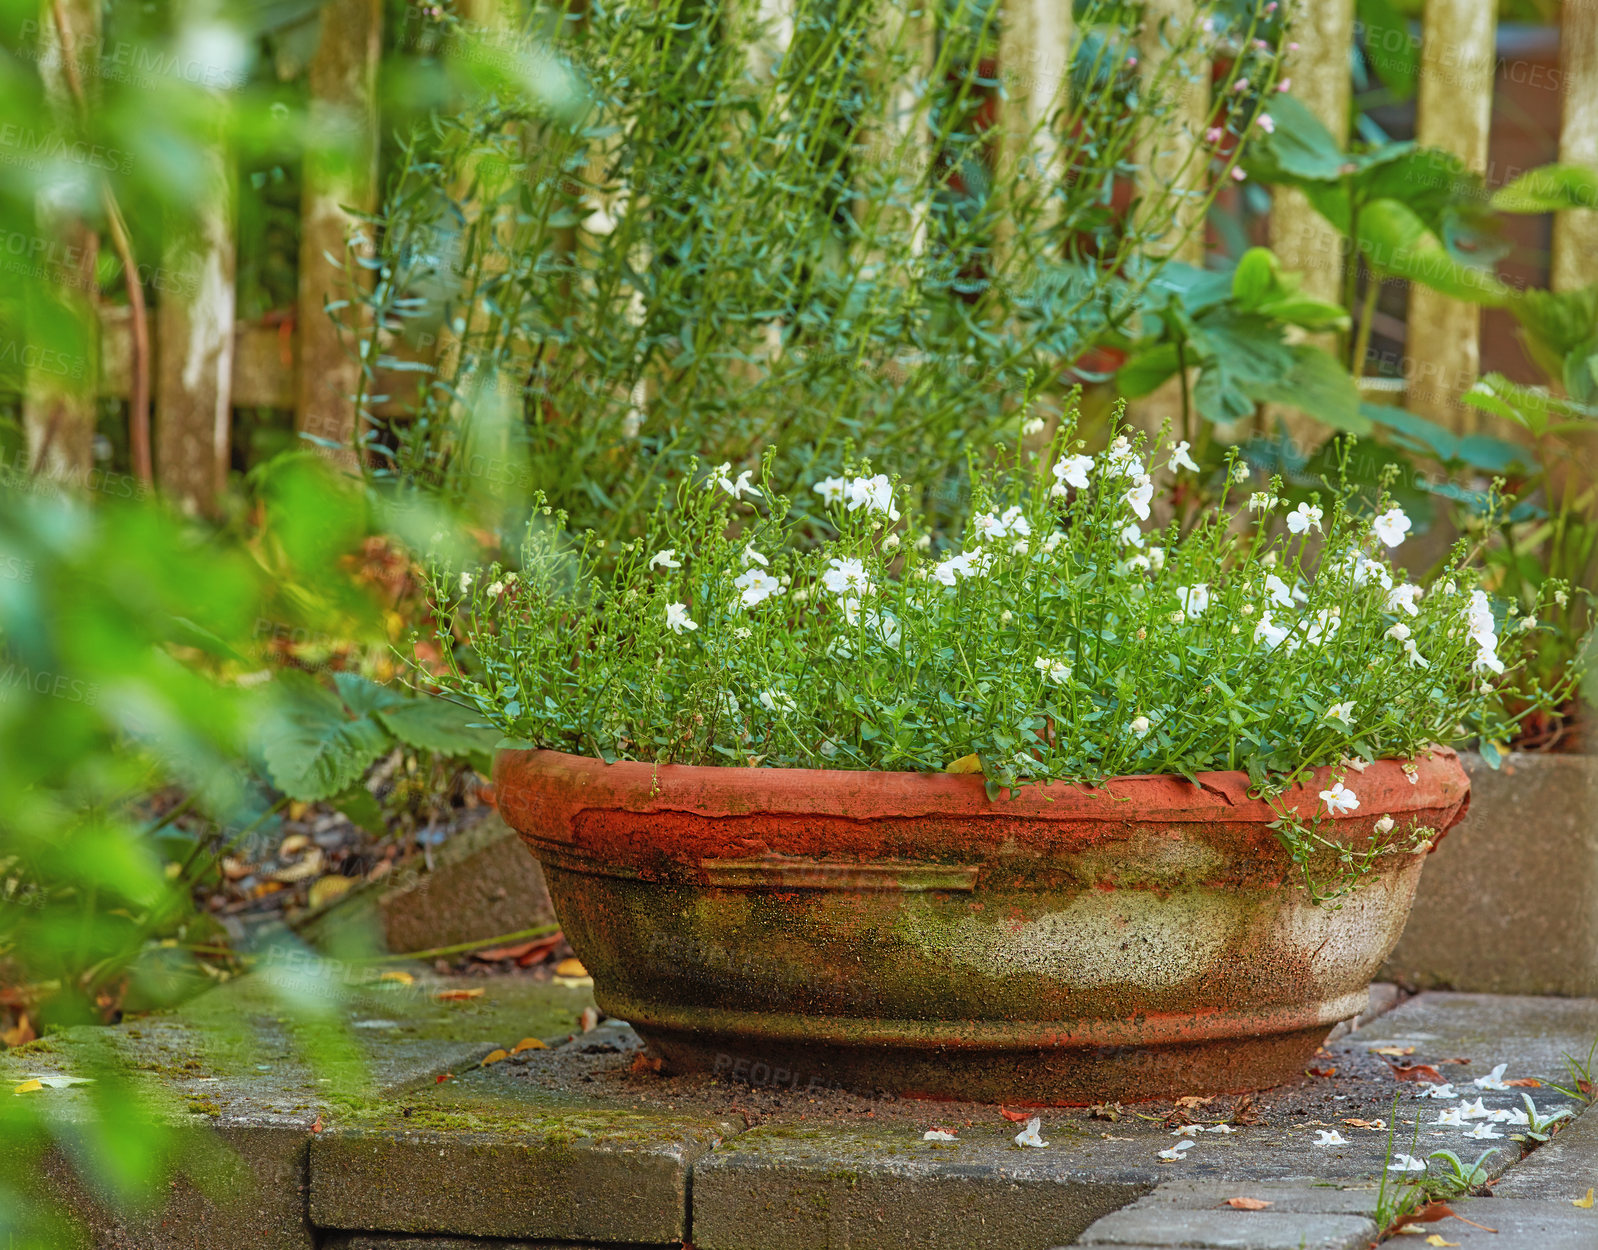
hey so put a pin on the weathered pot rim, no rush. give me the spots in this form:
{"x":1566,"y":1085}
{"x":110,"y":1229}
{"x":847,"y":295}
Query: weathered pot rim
{"x":546,"y":790}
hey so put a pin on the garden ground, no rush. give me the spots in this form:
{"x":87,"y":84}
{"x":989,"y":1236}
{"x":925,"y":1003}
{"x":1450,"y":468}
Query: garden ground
{"x":574,"y":1140}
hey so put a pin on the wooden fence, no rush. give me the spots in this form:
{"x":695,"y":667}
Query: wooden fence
{"x":208,"y":362}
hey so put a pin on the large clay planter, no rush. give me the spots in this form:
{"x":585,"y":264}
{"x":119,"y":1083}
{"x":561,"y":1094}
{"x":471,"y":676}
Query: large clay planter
{"x":901,"y":932}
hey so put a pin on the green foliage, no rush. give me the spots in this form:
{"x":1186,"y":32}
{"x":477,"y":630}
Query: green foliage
{"x":1057,"y":639}
{"x":737,"y":241}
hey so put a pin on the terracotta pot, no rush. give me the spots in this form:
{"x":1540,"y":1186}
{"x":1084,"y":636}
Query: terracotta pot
{"x":901,"y":932}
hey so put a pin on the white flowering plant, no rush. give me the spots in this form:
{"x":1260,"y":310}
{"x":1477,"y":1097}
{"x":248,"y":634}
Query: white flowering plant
{"x":1084,"y":625}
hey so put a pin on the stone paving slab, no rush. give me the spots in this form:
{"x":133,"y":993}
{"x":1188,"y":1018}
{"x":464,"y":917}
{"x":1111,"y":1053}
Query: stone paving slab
{"x":1220,"y":1230}
{"x":1567,"y":1167}
{"x":1520,"y":1224}
{"x":404,"y":1241}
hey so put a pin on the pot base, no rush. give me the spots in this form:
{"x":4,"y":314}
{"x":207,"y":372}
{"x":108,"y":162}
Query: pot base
{"x":1053,"y":1076}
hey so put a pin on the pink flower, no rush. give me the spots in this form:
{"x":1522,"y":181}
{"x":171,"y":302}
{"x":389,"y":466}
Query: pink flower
{"x":1214,"y":135}
{"x":1240,"y":85}
{"x":1266,"y":122}
{"x":1238,"y":175}
{"x":1285,"y":85}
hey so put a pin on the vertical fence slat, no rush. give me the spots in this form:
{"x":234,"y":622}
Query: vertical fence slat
{"x":1575,"y":262}
{"x":58,"y":401}
{"x":1034,"y":65}
{"x":341,"y":174}
{"x":194,"y":339}
{"x":1454,"y":111}
{"x":1304,"y":240}
{"x":1167,"y":156}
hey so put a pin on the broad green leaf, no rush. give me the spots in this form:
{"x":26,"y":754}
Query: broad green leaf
{"x":1549,"y":189}
{"x":312,"y":746}
{"x":1395,"y":241}
{"x":358,"y":804}
{"x":1307,"y":313}
{"x":1318,"y":385}
{"x":1146,"y":371}
{"x":1255,"y":277}
{"x":436,"y":725}
{"x":363,"y":695}
{"x":1301,"y":146}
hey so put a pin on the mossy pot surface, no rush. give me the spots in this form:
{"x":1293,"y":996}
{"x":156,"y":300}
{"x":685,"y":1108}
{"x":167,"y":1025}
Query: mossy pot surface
{"x":901,"y":932}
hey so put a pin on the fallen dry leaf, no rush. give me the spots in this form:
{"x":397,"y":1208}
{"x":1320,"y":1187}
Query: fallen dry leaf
{"x":528,"y":1043}
{"x":1435,"y":1240}
{"x":310,"y":866}
{"x":1321,"y":1071}
{"x":1397,"y":1051}
{"x":570,"y":968}
{"x":1412,"y":1228}
{"x":1194,"y":1100}
{"x":1434,"y":1211}
{"x":589,"y":1020}
{"x":494,"y":1056}
{"x":298,"y":809}
{"x":524,"y":953}
{"x":293,"y":845}
{"x":234,"y":869}
{"x":402,"y":978}
{"x":1370,"y":1124}
{"x":1450,"y":1061}
{"x":965,"y":764}
{"x":456,"y":996}
{"x":1525,"y":1082}
{"x":1247,"y":1204}
{"x":1416,"y":1072}
{"x":20,"y":1034}
{"x":646,"y":1063}
{"x":317,"y":1127}
{"x":1584,"y":1203}
{"x":29,"y":1087}
{"x":328,"y":889}
{"x":1243,"y":1111}
{"x":1015,"y":1117}
{"x":442,"y":1077}
{"x":1110,"y":1111}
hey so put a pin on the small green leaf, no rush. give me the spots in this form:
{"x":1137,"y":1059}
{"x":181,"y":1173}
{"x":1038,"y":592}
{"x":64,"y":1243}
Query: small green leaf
{"x":1549,"y":189}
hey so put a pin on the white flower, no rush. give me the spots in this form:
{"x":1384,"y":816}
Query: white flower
{"x":1132,"y":534}
{"x":1364,"y":568}
{"x":1139,"y":497}
{"x":466,"y":582}
{"x":666,"y":559}
{"x":891,"y":542}
{"x":1262,"y":501}
{"x":924,"y":543}
{"x":1484,"y":1132}
{"x":1340,"y":711}
{"x":1015,"y":522}
{"x":1391,"y":526}
{"x":1472,"y":1110}
{"x":751,"y":556}
{"x":1398,"y":632}
{"x":1187,"y":1130}
{"x":872,"y":493}
{"x":1175,"y":1152}
{"x":1071,"y":471}
{"x":846,"y":574}
{"x":883,"y":624}
{"x":1301,"y":518}
{"x":1329,"y":1137}
{"x":1415,"y":657}
{"x":1180,"y":459}
{"x":1273,"y":635}
{"x":1029,"y":1135}
{"x":1323,"y":625}
{"x":967,"y":564}
{"x":1220,"y":1128}
{"x":1339,"y":799}
{"x":1156,"y":558}
{"x":938,"y":1134}
{"x":830,"y":489}
{"x":496,"y":589}
{"x":1384,"y":826}
{"x":1120,"y":460}
{"x":1031,"y":426}
{"x":1515,"y":1118}
{"x":988,"y":525}
{"x":1450,"y":1118}
{"x":1402,"y":598}
{"x":1406,"y":1163}
{"x":1140,"y":726}
{"x":1194,"y":599}
{"x":742,"y":631}
{"x":757,"y":586}
{"x":1240,"y":472}
{"x":1057,"y":671}
{"x":1053,"y":541}
{"x":1438,"y":1091}
{"x":1278,"y":591}
{"x":1493,"y":1080}
{"x":677,"y":618}
{"x":739,"y":488}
